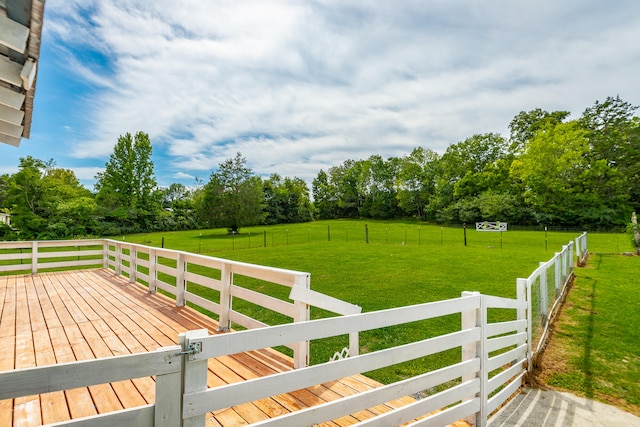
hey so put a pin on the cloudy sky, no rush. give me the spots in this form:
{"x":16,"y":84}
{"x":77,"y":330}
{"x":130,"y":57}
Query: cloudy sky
{"x":299,"y":86}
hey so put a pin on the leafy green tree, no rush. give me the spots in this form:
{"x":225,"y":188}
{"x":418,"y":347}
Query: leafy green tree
{"x":324,"y":196}
{"x":562,"y":184}
{"x":27,"y":197}
{"x":233,"y":197}
{"x":377,"y":187}
{"x":416,"y":181}
{"x":345,"y":179}
{"x":614,"y":136}
{"x":126,"y":190}
{"x":465,"y":171}
{"x":286,"y":200}
{"x":5,"y":182}
{"x":39,"y":195}
{"x":525,"y":124}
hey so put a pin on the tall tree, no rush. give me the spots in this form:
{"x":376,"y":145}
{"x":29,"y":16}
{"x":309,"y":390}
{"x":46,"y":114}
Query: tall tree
{"x":525,"y":124}
{"x":563,"y":185}
{"x":48,"y":202}
{"x":324,"y":196}
{"x":286,"y":200}
{"x":126,"y":188}
{"x":614,"y":136}
{"x":465,"y":171}
{"x":416,"y":181}
{"x":233,"y":197}
{"x":345,"y":178}
{"x":377,"y":187}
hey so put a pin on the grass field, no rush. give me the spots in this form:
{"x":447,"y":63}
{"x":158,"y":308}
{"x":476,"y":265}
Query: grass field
{"x":403,"y":264}
{"x":595,"y":348}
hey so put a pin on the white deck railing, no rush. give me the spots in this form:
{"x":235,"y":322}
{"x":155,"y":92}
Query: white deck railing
{"x":165,"y":364}
{"x":174,"y":272}
{"x":467,"y":389}
{"x":491,"y":369}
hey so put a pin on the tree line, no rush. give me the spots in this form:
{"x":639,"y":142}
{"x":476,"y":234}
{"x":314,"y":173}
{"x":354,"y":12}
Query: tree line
{"x":549,"y":171}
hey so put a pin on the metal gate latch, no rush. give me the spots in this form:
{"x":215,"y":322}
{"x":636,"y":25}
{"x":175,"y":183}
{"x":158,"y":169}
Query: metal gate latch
{"x":194,"y":348}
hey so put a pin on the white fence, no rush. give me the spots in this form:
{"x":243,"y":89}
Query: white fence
{"x":492,"y":354}
{"x":165,"y":364}
{"x":182,"y":396}
{"x":176,"y":272}
{"x":469,"y":389}
{"x":545,"y":288}
{"x":582,"y":249}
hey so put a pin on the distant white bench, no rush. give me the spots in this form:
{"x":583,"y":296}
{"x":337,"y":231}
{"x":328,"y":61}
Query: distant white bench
{"x":491,"y":226}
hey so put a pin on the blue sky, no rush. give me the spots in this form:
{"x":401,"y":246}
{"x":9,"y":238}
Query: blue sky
{"x":299,"y":86}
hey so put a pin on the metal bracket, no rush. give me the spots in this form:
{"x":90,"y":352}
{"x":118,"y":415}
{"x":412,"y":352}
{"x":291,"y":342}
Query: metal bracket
{"x":194,"y":348}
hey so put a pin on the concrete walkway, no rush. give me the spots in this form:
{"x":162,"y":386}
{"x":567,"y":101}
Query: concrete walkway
{"x":551,"y":408}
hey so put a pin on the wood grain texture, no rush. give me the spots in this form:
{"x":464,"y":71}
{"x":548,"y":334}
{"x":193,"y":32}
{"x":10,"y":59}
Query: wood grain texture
{"x":62,"y":317}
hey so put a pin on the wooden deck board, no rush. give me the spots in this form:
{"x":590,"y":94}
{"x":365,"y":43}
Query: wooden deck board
{"x":68,"y":316}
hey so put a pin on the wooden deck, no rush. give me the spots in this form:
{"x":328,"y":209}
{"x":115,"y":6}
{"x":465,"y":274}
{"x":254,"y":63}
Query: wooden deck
{"x":67,"y":316}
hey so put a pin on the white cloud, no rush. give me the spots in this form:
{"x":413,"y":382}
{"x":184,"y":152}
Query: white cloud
{"x":299,"y":86}
{"x":182,"y":175}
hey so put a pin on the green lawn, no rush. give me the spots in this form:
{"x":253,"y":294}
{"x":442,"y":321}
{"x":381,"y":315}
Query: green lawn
{"x":379,"y":265}
{"x":404,"y":263}
{"x":595,"y":349}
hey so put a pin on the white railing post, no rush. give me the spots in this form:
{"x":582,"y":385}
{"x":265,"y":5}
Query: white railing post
{"x":34,"y":257}
{"x":226,"y":279}
{"x":472,"y":319}
{"x":133,"y":264}
{"x":180,"y":283}
{"x":570,"y":258}
{"x":153,"y":284}
{"x":302,"y":314}
{"x":530,"y":315}
{"x":484,"y":363}
{"x":118,"y":260}
{"x":168,"y":406}
{"x":525,"y":313}
{"x":544,"y":297}
{"x":195,"y":373}
{"x":565,"y":266}
{"x":557,"y":263}
{"x":105,"y":254}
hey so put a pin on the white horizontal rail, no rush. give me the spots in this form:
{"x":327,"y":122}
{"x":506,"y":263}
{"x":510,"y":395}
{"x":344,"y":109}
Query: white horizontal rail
{"x":65,"y":376}
{"x":62,"y":264}
{"x":326,"y":302}
{"x":505,"y":327}
{"x":450,"y":415}
{"x":97,"y":252}
{"x":200,"y":403}
{"x":201,"y":280}
{"x":421,"y":407}
{"x":499,"y":302}
{"x":246,"y":321}
{"x":141,"y":416}
{"x":499,"y":398}
{"x":502,"y":359}
{"x":242,"y":341}
{"x":357,"y":402}
{"x":202,"y":302}
{"x":263,"y":300}
{"x":498,"y":343}
{"x":503,"y":377}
